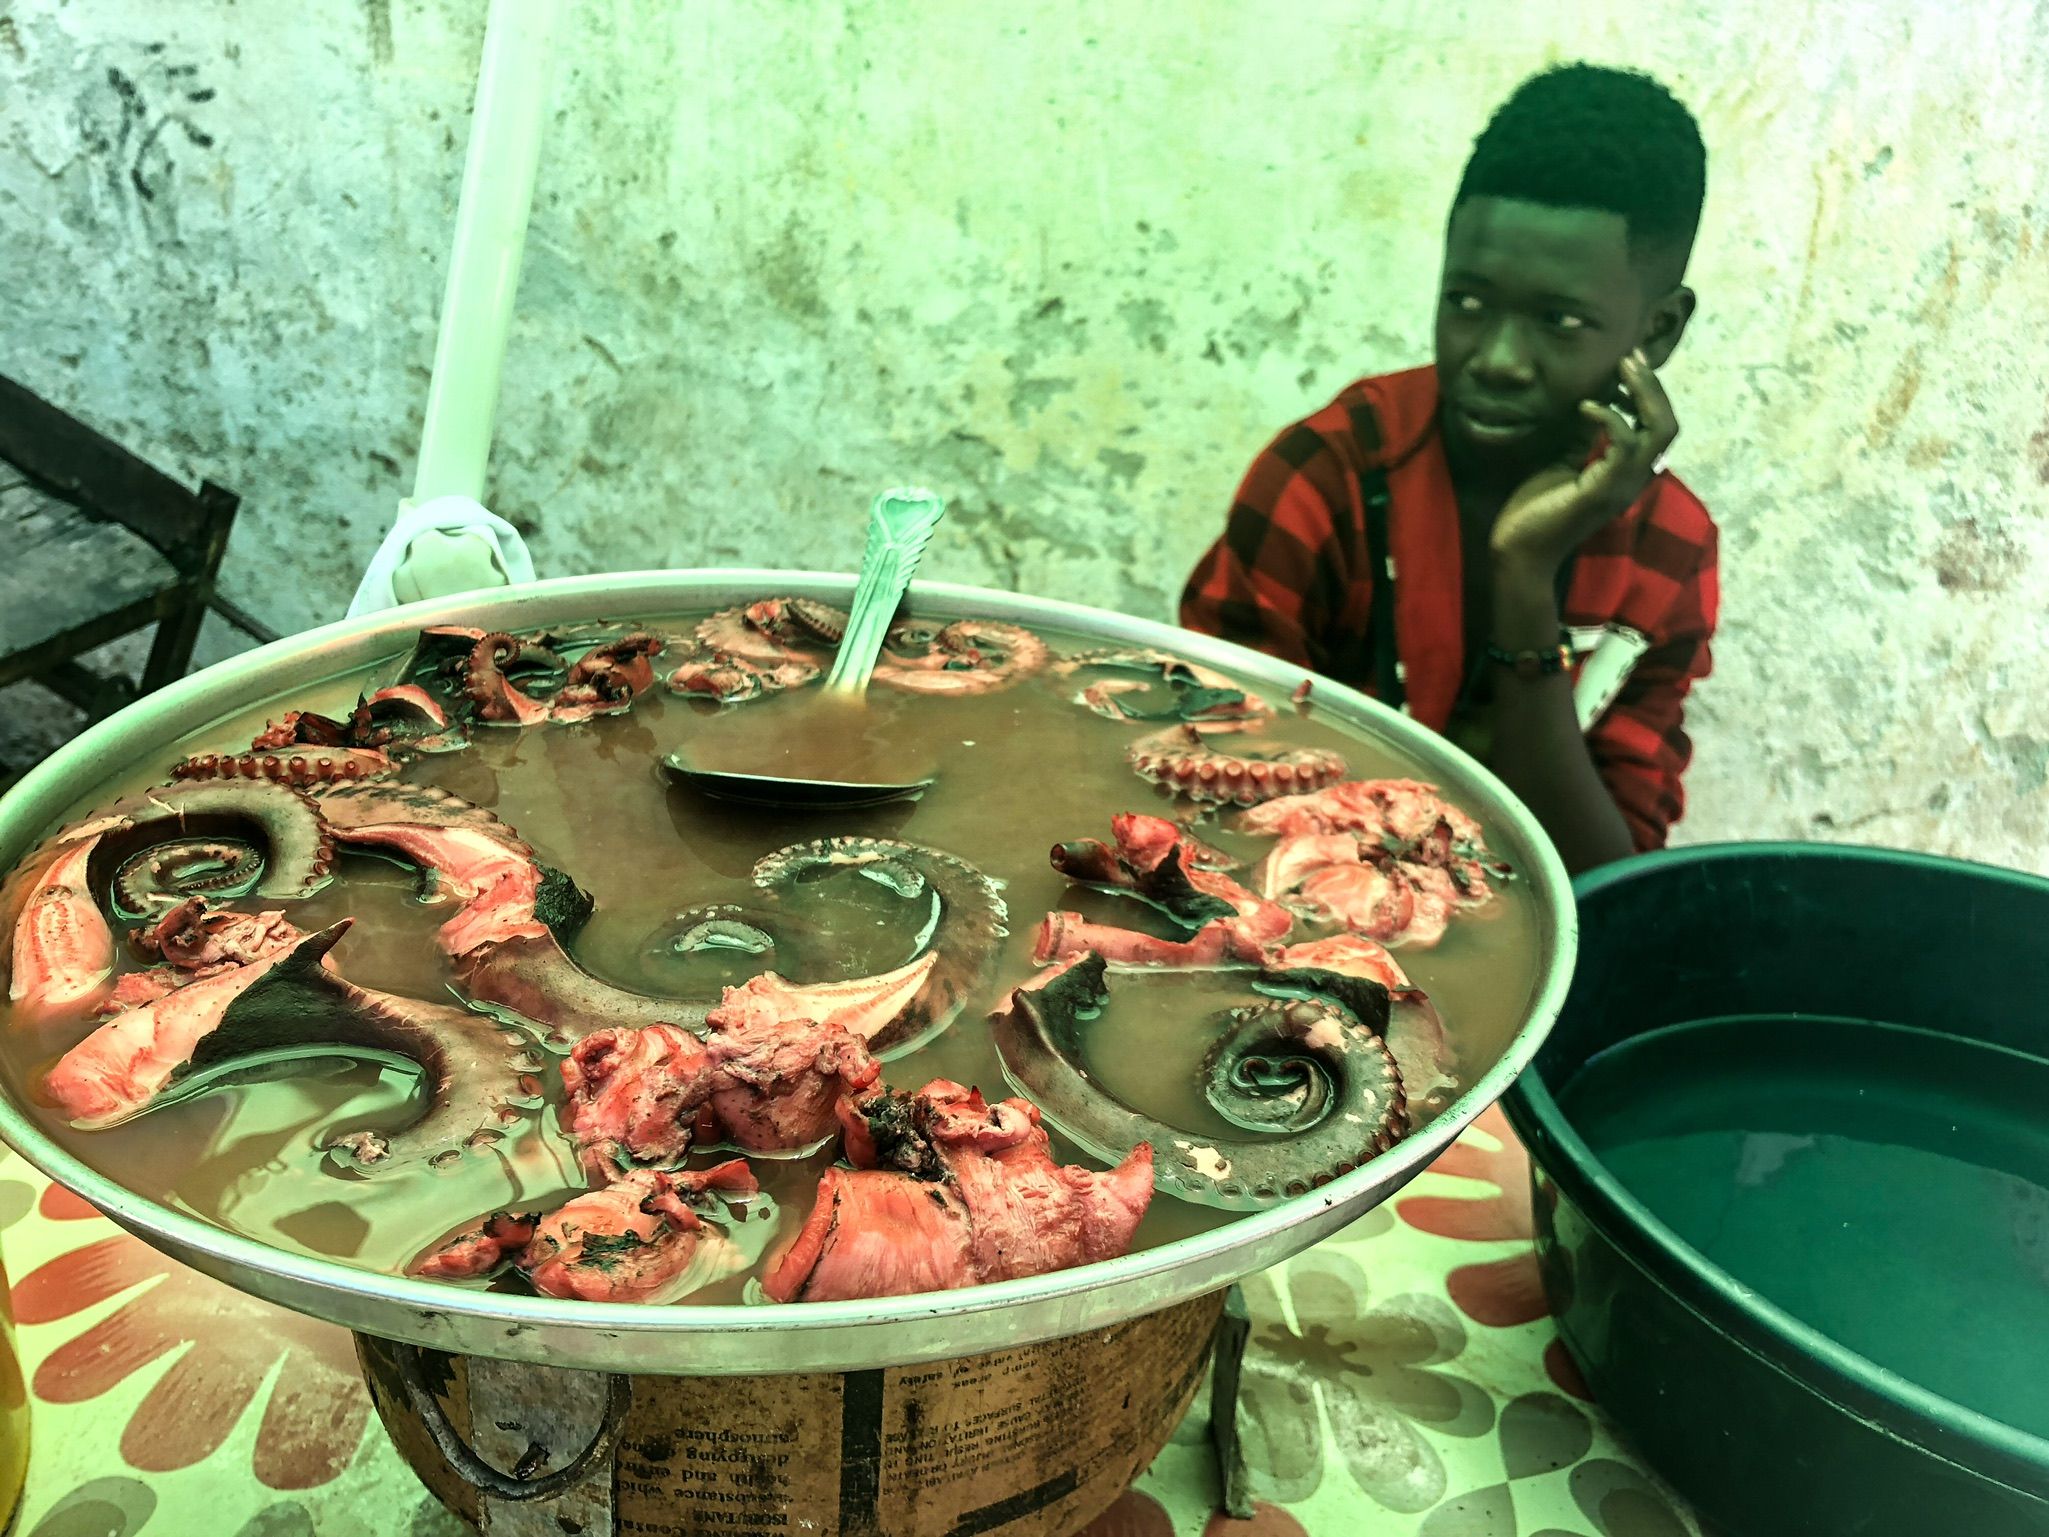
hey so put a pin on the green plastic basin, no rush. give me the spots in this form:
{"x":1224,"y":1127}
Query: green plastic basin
{"x":1790,"y":1146}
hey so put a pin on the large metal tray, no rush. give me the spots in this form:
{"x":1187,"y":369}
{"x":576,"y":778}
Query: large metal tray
{"x":836,"y":1336}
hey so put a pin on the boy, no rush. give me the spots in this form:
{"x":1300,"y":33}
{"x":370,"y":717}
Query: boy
{"x":1492,"y":544}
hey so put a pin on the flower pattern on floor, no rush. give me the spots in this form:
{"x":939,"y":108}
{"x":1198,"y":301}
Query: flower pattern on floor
{"x":226,"y":1344}
{"x":1501,"y":1292}
{"x":1332,"y":1374}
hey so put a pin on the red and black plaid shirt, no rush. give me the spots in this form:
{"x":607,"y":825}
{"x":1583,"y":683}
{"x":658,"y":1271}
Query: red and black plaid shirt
{"x":1291,"y":577}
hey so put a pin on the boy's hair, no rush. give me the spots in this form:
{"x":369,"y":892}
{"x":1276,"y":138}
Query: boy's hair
{"x":1581,"y":136}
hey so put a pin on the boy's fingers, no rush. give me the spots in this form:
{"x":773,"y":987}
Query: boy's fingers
{"x":1653,"y":406}
{"x":1623,"y":434}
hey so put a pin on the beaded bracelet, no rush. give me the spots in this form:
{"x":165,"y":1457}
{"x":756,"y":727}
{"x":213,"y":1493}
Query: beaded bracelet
{"x":1535,"y":664}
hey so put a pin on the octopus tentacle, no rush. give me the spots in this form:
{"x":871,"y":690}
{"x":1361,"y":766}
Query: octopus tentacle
{"x":1314,"y":1074}
{"x":299,"y":748}
{"x":487,"y":678}
{"x":1351,"y":955}
{"x":1196,"y":693}
{"x":1222,"y":942}
{"x":531,"y":974}
{"x":134,"y":1061}
{"x":713,"y":674}
{"x":509,"y":940}
{"x":969,"y":920}
{"x":1184,"y":759}
{"x":169,"y":873}
{"x":607,"y":678}
{"x":1273,"y":1071}
{"x":439,"y":662}
{"x":478,"y":1076}
{"x":478,"y":670}
{"x":153,"y":836}
{"x":779,"y":643}
{"x":753,"y":649}
{"x":304,"y":769}
{"x":301,"y":727}
{"x":775,"y":631}
{"x":1138,"y":659}
{"x":956,"y":658}
{"x":1348,"y":968}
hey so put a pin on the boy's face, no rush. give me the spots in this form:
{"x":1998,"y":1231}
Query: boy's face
{"x":1538,"y":307}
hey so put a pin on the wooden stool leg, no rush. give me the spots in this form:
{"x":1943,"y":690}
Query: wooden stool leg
{"x":171,"y":653}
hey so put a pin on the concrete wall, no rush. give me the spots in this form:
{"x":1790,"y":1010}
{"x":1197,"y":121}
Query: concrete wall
{"x":1072,"y":264}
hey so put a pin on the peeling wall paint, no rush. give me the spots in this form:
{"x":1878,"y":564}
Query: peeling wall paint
{"x":1073,"y":265}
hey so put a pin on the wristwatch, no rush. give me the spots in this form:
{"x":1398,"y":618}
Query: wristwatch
{"x":1535,"y":664}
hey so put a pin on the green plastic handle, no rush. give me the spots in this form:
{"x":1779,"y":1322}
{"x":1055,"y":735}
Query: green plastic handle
{"x":900,"y":525}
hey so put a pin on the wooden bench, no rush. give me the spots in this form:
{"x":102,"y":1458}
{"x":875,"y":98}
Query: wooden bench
{"x":97,"y":545}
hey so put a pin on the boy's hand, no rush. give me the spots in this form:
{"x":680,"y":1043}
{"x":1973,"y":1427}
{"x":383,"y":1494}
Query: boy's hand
{"x":1555,"y":509}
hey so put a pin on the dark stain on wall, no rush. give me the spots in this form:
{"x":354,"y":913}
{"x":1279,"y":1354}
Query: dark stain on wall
{"x":1971,"y":557}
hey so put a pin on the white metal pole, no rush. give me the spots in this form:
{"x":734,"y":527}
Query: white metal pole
{"x":490,"y":235}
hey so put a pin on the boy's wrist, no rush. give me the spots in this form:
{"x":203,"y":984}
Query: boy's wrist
{"x":1525,"y":611}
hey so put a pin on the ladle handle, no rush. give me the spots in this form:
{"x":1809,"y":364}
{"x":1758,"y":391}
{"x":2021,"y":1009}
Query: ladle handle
{"x":467,"y":1465}
{"x":900,"y":525}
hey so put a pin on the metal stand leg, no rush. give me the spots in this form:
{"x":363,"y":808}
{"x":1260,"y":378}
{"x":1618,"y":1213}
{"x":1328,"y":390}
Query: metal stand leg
{"x":1234,"y":1329}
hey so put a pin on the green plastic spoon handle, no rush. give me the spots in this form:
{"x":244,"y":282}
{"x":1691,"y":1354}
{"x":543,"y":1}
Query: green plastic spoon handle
{"x":900,"y":525}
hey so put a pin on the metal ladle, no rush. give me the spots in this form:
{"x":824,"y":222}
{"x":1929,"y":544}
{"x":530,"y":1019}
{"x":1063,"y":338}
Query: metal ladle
{"x":900,"y":525}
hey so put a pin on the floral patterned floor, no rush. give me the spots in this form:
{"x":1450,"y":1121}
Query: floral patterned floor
{"x":1402,"y":1379}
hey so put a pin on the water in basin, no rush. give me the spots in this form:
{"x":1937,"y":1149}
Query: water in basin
{"x":1887,"y":1186}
